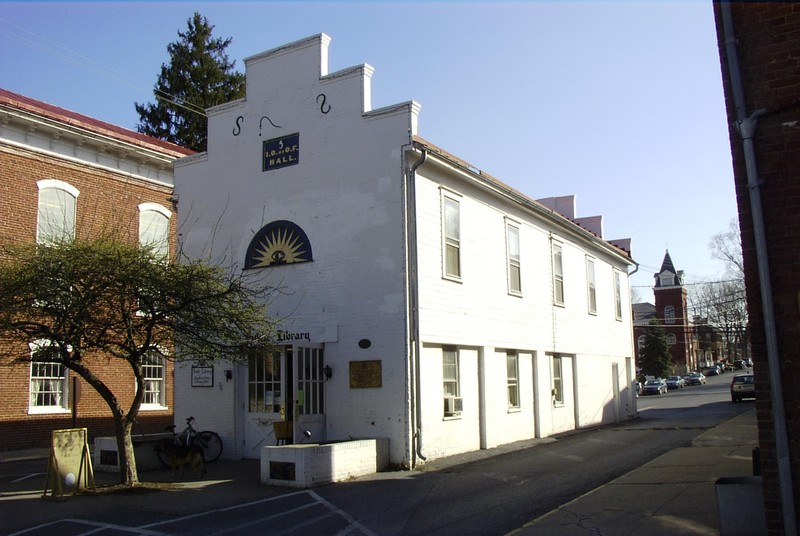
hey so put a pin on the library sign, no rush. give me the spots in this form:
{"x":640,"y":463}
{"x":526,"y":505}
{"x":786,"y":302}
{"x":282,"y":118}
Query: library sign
{"x":281,"y":152}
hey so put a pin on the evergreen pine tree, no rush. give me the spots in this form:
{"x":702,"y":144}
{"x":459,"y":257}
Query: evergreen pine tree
{"x":655,"y":357}
{"x":199,"y":76}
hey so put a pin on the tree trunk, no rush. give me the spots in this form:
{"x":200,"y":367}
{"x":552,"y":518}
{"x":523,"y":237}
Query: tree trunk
{"x":128,"y":474}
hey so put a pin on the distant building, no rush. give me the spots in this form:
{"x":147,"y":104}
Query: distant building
{"x":758,"y":45}
{"x":671,"y":311}
{"x":420,"y":299}
{"x":62,"y":173}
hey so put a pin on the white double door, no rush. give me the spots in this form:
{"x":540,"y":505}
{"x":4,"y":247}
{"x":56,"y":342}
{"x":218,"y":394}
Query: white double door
{"x":283,"y":385}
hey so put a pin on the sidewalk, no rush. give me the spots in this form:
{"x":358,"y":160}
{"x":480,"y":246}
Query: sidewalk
{"x":674,"y":494}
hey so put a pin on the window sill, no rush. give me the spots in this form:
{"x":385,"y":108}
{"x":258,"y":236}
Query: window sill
{"x":452,"y":417}
{"x":48,"y":410}
{"x":152,"y":407}
{"x":514,"y":410}
{"x":453,"y":278}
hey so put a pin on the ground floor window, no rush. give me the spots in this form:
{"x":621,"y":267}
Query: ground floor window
{"x":558,"y":380}
{"x":48,"y":383}
{"x":450,"y":382}
{"x":512,"y":375}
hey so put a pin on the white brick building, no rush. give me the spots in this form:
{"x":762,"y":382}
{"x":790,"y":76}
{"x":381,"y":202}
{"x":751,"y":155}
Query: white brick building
{"x":452,"y":312}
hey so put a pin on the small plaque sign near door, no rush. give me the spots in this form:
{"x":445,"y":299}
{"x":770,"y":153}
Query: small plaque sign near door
{"x":365,"y":374}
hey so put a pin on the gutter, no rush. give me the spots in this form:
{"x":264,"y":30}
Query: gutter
{"x":746,"y":126}
{"x":413,"y":296}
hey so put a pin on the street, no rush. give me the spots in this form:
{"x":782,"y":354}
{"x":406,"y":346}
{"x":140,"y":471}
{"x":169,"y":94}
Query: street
{"x":480,"y":493}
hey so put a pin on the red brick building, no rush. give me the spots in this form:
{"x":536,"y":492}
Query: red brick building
{"x":61,"y":172}
{"x":671,"y":311}
{"x":759,"y":46}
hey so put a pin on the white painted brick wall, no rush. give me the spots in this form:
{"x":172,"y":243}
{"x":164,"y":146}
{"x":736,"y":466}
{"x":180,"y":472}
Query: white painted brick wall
{"x":347,"y":195}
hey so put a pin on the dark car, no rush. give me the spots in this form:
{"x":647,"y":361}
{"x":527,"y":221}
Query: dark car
{"x":654,"y":387}
{"x":713,"y":370}
{"x":743,"y":386}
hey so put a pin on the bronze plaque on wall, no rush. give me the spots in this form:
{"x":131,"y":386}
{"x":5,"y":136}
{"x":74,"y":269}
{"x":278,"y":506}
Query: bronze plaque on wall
{"x":365,"y":374}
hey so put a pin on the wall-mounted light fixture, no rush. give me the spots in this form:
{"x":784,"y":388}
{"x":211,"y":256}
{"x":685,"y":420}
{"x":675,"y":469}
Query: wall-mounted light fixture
{"x":327,"y":371}
{"x":228,"y":375}
{"x":364,"y":344}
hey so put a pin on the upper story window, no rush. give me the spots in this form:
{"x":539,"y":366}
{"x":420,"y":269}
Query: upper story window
{"x":591,"y":287}
{"x":669,"y":314}
{"x":558,"y":274}
{"x":640,"y":342}
{"x":617,"y":295}
{"x":48,"y":383}
{"x":154,"y":373}
{"x":667,"y":279}
{"x":451,"y":230}
{"x":56,"y":212}
{"x":513,"y":260}
{"x":154,"y":228}
{"x":671,"y":339}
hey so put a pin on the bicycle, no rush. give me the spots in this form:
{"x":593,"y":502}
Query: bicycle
{"x":209,"y":441}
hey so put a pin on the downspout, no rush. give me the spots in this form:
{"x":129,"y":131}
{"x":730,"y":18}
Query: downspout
{"x":413,"y":295}
{"x":632,"y":400}
{"x":746,"y":126}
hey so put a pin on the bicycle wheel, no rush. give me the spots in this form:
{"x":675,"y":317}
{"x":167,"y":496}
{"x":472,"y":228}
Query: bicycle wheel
{"x":162,"y":455}
{"x":211,"y":443}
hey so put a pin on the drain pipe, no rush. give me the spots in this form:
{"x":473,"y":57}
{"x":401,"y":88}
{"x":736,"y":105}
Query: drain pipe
{"x":746,"y":125}
{"x":413,"y":293}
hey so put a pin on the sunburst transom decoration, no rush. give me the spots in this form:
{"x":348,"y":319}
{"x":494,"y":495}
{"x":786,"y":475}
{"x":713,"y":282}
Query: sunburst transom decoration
{"x":280,"y":242}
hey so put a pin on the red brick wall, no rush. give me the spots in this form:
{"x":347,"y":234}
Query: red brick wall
{"x":768,"y":46}
{"x":106,"y":200}
{"x":676,"y":297}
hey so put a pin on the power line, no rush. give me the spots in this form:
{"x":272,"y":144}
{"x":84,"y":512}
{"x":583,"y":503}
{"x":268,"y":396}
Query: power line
{"x":59,"y":51}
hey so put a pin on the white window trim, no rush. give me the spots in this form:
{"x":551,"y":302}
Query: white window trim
{"x":155,"y":207}
{"x":510,"y":261}
{"x":556,"y":245}
{"x":669,"y":314}
{"x":512,"y":408}
{"x":161,"y":353}
{"x":65,"y":394}
{"x":451,"y":196}
{"x":618,"y":304}
{"x":55,"y":184}
{"x":457,"y":380}
{"x":591,"y":285}
{"x":557,"y":402}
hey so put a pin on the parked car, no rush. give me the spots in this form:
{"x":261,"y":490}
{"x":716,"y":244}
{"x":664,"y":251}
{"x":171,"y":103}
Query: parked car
{"x":713,"y":370}
{"x":675,"y":382}
{"x":743,"y":386}
{"x":654,"y":387}
{"x":695,"y":378}
{"x":740,"y":364}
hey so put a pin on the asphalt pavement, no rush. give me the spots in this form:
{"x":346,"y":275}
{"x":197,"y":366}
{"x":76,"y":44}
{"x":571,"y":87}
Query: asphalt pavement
{"x":676,"y":493}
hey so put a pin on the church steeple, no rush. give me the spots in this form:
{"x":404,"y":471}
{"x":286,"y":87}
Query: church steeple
{"x":668,"y":276}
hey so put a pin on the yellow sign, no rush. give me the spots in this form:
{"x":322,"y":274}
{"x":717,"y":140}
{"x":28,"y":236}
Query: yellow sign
{"x":69,"y":469}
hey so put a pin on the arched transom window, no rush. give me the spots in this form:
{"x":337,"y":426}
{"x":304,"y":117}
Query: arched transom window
{"x":279,"y":242}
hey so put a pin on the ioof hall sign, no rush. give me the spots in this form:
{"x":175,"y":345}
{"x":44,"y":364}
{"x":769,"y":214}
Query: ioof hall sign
{"x":281,"y":152}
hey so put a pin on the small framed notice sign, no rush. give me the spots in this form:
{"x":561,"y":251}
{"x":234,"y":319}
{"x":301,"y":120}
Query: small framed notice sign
{"x":202,"y":376}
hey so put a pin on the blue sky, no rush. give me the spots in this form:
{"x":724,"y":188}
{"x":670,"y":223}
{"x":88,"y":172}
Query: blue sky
{"x":619,"y":103}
